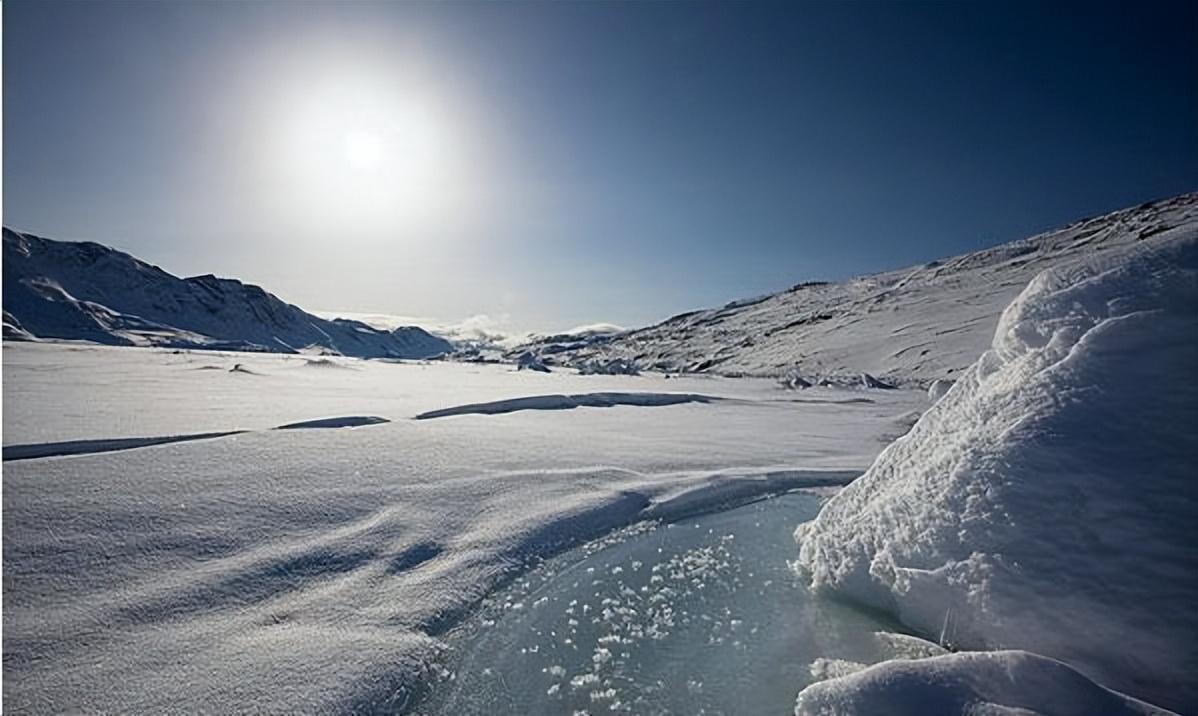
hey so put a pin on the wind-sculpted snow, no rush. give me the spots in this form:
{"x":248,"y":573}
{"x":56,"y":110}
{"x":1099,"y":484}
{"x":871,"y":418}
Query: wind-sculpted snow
{"x":998,"y":682}
{"x":569,"y":402}
{"x":348,"y":421}
{"x":1047,"y":501}
{"x":86,"y":291}
{"x":83,"y":447}
{"x":913,"y":325}
{"x":318,"y":571}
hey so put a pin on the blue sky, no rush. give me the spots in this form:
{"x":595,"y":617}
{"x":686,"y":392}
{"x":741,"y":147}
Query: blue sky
{"x":557,"y":164}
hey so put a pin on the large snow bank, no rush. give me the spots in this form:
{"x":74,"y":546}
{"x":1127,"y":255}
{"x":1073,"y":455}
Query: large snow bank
{"x":1048,"y":501}
{"x":996,"y":682}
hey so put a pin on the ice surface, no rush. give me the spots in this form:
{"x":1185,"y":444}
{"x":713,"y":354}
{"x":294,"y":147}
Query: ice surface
{"x":700,"y":615}
{"x":1047,"y":502}
{"x":283,"y":571}
{"x":993,"y":683}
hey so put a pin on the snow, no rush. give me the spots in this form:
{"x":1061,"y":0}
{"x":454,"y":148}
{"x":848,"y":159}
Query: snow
{"x":168,"y":548}
{"x":82,"y":447}
{"x":992,"y":683}
{"x":1047,"y":502}
{"x":320,"y":570}
{"x":346,"y":421}
{"x":618,"y":366}
{"x":87,"y":291}
{"x":909,"y":326}
{"x":569,"y":402}
{"x":528,"y":361}
{"x":938,"y":389}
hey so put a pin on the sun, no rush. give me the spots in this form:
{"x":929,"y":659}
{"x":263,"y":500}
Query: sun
{"x":362,"y":152}
{"x":361,"y":149}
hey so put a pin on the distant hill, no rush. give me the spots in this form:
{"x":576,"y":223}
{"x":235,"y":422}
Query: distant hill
{"x":88,"y":291}
{"x":909,"y":326}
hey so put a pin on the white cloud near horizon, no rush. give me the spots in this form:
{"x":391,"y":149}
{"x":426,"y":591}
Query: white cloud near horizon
{"x":480,"y":327}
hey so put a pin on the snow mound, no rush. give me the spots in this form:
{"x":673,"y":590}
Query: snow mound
{"x":33,"y":451}
{"x":569,"y":402}
{"x":868,"y":381}
{"x":616,"y":366}
{"x":1047,"y":502}
{"x":325,"y":363}
{"x":528,"y":361}
{"x":348,"y":421}
{"x":794,"y":381}
{"x":939,"y":388}
{"x":965,"y":684}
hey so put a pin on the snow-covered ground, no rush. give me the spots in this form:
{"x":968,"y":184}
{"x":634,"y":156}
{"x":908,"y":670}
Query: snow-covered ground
{"x":191,"y":531}
{"x":318,"y":569}
{"x":1045,"y":503}
{"x":913,"y":325}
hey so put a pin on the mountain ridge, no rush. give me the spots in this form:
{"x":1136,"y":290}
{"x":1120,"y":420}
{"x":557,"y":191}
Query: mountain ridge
{"x":84,"y":290}
{"x":912,"y":325}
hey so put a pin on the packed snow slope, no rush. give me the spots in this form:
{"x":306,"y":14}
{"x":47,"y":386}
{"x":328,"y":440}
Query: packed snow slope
{"x":1048,"y":501}
{"x":255,"y":570}
{"x":913,"y":325}
{"x":86,"y":291}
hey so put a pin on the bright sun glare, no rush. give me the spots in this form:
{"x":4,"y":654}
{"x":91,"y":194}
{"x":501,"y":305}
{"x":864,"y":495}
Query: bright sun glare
{"x":361,"y":149}
{"x":362,"y":152}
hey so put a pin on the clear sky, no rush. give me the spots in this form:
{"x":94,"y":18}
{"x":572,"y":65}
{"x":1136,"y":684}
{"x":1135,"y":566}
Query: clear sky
{"x":556,"y":164}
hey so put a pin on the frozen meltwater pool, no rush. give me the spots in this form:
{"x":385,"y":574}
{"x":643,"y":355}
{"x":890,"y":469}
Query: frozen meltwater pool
{"x":702,"y":616}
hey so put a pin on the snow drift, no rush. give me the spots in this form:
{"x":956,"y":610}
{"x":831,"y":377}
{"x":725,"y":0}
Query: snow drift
{"x":87,"y":291}
{"x":968,"y":683}
{"x":1047,"y":502}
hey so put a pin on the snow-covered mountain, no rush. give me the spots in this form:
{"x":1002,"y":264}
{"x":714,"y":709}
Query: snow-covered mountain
{"x":913,"y":325}
{"x":87,"y":291}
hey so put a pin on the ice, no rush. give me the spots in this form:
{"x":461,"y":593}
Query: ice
{"x":1047,"y":502}
{"x":717,"y":624}
{"x":938,"y":389}
{"x":997,"y":682}
{"x":868,"y":381}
